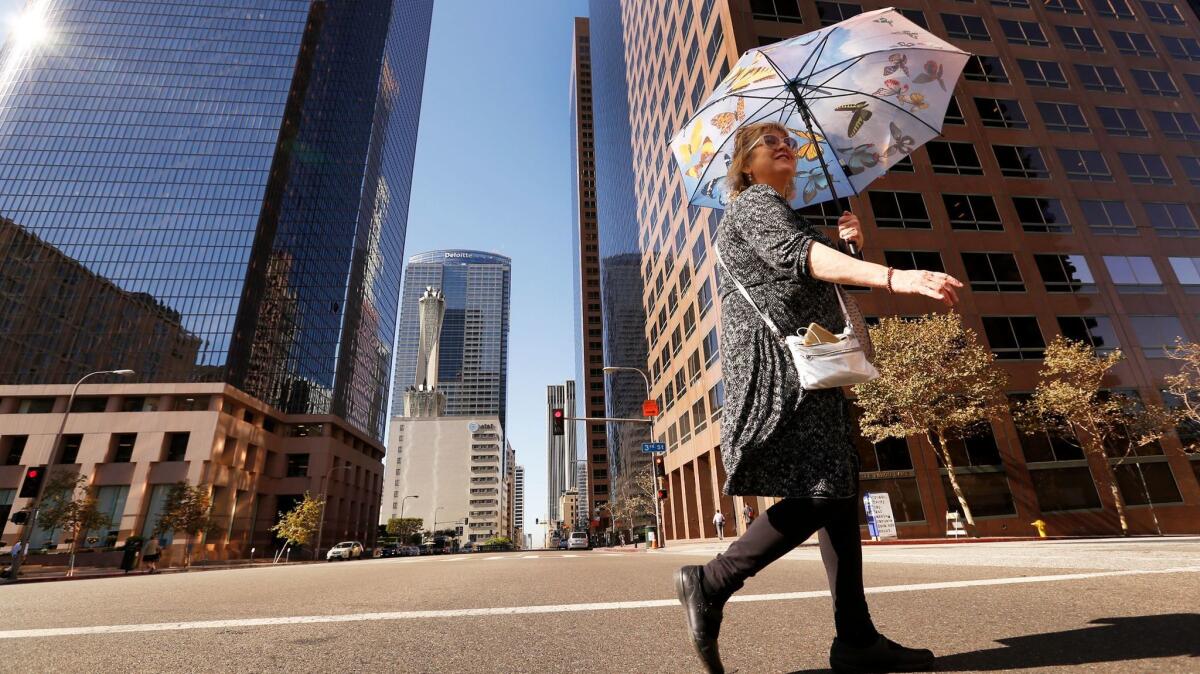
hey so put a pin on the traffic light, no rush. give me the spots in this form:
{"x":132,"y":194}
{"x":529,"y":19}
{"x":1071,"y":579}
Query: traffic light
{"x":662,"y":494}
{"x":660,"y":467}
{"x":20,"y":517}
{"x":33,"y":481}
{"x":557,"y":419}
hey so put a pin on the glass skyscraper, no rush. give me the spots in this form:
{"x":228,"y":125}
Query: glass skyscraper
{"x":473,"y":351}
{"x":243,"y":166}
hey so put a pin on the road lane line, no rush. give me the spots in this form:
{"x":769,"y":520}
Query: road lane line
{"x":553,"y":608}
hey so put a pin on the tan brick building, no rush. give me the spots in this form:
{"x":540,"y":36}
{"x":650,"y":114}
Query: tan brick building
{"x":1063,"y":192}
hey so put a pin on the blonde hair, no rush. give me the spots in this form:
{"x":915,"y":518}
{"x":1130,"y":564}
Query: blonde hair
{"x":737,"y":179}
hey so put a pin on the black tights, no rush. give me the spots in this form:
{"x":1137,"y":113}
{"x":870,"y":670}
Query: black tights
{"x":786,"y":525}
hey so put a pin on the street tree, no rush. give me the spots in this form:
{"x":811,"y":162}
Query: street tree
{"x":299,"y":525}
{"x":632,"y":498}
{"x":70,"y":506}
{"x":935,"y":379}
{"x":1185,"y":387}
{"x":1070,"y":402}
{"x":404,"y":527}
{"x":186,"y":510}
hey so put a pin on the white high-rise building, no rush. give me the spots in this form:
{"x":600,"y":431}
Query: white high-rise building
{"x":560,"y":449}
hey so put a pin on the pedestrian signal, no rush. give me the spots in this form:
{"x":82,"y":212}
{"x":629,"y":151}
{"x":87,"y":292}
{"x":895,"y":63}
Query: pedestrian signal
{"x":662,"y":494}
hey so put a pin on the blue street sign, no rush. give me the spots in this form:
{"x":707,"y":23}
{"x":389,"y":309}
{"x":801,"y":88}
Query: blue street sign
{"x":654,"y":447}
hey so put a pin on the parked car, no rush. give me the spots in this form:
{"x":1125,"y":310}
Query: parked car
{"x":345,"y":550}
{"x":579,"y":541}
{"x":562,"y":543}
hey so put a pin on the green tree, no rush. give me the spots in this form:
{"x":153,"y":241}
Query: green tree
{"x":299,"y":525}
{"x":70,"y":506}
{"x":1071,"y":403}
{"x":186,"y":510}
{"x":1185,"y":387}
{"x":404,"y":527}
{"x":935,"y":379}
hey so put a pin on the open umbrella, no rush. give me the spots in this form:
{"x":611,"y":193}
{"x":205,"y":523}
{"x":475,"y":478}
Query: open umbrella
{"x":858,"y":96}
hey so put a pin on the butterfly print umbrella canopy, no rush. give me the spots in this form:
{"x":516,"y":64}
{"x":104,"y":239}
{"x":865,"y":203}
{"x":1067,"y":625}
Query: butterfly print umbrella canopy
{"x":858,"y":96}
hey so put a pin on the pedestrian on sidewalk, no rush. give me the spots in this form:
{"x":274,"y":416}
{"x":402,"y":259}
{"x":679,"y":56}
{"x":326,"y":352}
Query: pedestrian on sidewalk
{"x":748,"y":514}
{"x":151,"y":553}
{"x":16,"y":550}
{"x":719,"y":523}
{"x":777,"y":439}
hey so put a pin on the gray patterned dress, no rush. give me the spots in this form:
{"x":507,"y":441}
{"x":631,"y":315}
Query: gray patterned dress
{"x":777,"y":440}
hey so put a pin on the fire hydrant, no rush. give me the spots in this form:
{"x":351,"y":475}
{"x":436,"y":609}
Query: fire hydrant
{"x":1040,"y":525}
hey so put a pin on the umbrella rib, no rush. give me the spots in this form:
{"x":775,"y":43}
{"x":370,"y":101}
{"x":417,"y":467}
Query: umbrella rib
{"x":833,"y":151}
{"x":720,"y":148}
{"x":851,"y":92}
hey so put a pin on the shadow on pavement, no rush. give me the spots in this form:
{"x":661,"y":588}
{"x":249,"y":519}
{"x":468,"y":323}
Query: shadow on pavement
{"x":1106,"y":640}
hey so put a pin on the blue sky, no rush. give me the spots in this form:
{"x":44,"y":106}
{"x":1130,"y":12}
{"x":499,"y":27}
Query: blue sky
{"x":493,"y":172}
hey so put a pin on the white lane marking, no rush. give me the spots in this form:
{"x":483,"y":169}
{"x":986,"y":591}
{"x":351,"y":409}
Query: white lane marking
{"x":529,"y":556}
{"x":488,"y":559}
{"x":553,"y":608}
{"x":570,"y":555}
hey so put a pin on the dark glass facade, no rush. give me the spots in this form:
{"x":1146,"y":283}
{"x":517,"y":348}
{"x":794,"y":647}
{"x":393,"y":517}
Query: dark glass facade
{"x":245,"y":164}
{"x":621,"y":286}
{"x":473,"y":351}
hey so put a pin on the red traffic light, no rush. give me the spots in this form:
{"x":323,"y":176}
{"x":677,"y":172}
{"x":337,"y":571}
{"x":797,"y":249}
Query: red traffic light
{"x":32,"y":473}
{"x":558,"y":414}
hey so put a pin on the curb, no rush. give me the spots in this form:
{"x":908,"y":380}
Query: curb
{"x":138,"y":574}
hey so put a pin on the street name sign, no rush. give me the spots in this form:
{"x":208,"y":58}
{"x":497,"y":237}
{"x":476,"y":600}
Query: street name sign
{"x":654,"y":447}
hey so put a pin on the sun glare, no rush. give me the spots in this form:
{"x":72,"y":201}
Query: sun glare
{"x":30,"y":27}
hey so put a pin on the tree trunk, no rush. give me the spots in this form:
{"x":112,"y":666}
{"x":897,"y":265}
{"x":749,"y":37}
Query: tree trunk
{"x":1118,"y":500}
{"x":940,"y":446}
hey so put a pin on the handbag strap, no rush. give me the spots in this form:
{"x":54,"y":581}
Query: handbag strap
{"x":767,"y":319}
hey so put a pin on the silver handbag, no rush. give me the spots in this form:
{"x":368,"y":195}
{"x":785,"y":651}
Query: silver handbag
{"x":843,"y":363}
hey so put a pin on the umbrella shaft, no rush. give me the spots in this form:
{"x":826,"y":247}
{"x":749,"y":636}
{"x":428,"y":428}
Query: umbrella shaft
{"x":807,"y":117}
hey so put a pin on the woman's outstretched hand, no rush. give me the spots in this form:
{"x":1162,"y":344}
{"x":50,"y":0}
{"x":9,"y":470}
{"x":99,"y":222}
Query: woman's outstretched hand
{"x":933,"y":284}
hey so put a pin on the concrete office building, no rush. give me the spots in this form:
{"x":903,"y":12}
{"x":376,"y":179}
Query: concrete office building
{"x":1064,"y":192}
{"x":519,"y":506}
{"x":135,"y":441}
{"x":560,"y":449}
{"x":472,"y":355}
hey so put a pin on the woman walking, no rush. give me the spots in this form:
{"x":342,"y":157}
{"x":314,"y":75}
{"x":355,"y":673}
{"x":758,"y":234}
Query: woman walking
{"x":776,"y":439}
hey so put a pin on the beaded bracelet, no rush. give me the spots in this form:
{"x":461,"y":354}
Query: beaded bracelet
{"x":889,"y":280}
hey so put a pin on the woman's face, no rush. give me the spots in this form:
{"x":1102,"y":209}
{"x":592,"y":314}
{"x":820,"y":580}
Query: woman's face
{"x":772,"y":160}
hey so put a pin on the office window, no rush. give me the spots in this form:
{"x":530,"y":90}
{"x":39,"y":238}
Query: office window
{"x":1132,"y":44}
{"x":1184,"y":48}
{"x":1042,"y":73}
{"x":699,"y":252}
{"x":694,"y":369}
{"x":693,"y":54}
{"x":1097,"y":331}
{"x":1187,"y":272}
{"x":689,"y":320}
{"x":1024,"y":32}
{"x":1079,"y":39}
{"x":1041,"y":215}
{"x":899,"y":209}
{"x":706,"y":11}
{"x":1157,"y":334}
{"x":985,"y":69}
{"x":1107,"y":217}
{"x":1020,"y":162}
{"x":89,"y":404}
{"x":15,"y":449}
{"x":1171,"y":219}
{"x":712,"y":347}
{"x":972,"y":211}
{"x":916,"y":16}
{"x":1146,"y":169}
{"x":1065,"y":273}
{"x":1133,"y":273}
{"x":774,"y":10}
{"x":70,"y":448}
{"x":1064,"y":6}
{"x":993,"y":272}
{"x":1163,"y":12}
{"x":714,"y":43}
{"x":705,"y":297}
{"x":1085,"y":165}
{"x":1019,"y":4}
{"x":954,"y":113}
{"x":1178,"y":125}
{"x":297,"y":465}
{"x":1062,"y":489}
{"x":1122,"y":122}
{"x":1014,"y":337}
{"x":914,"y":259}
{"x":1001,"y":113}
{"x":1154,"y":82}
{"x":1099,"y":78}
{"x":1191,"y":168}
{"x":905,"y":165}
{"x":176,"y":446}
{"x":954,"y":158}
{"x":826,"y":213}
{"x":716,"y":398}
{"x":1065,"y":117}
{"x":122,"y":447}
{"x":965,"y":27}
{"x":1113,"y":9}
{"x":699,"y":415}
{"x":832,"y":12}
{"x":698,"y":90}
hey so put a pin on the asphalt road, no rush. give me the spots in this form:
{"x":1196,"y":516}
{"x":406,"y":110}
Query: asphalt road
{"x":1110,"y":606}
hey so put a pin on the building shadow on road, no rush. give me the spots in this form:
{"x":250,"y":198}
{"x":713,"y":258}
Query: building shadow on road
{"x":1104,"y":640}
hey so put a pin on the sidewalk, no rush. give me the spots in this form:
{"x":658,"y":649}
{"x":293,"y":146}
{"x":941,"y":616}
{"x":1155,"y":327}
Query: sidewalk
{"x":57,"y":573}
{"x":713,"y":545}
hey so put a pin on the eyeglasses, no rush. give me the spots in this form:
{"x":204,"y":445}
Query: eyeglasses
{"x":773,"y":141}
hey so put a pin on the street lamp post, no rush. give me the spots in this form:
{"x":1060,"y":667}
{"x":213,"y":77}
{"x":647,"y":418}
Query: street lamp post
{"x":324,"y":499}
{"x":404,"y":502}
{"x":660,"y":537}
{"x":27,"y":531}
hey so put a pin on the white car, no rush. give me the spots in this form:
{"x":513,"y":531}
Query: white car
{"x":578,"y":541}
{"x":345,"y":550}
